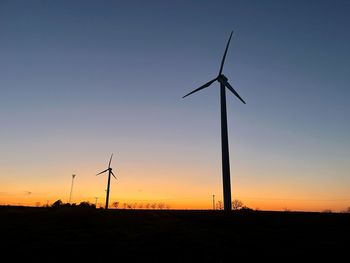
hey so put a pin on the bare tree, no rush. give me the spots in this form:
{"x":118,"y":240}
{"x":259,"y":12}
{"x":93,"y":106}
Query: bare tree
{"x":115,"y":204}
{"x":237,"y":204}
{"x":347,"y":210}
{"x":57,"y":203}
{"x":161,"y":206}
{"x":140,"y":206}
{"x":219,"y":205}
{"x":147,"y":205}
{"x":153,"y":205}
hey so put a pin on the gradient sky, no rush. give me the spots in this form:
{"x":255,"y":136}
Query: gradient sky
{"x":82,"y":79}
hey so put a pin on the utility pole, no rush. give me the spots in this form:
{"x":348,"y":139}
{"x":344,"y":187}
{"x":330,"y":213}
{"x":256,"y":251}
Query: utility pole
{"x":96,"y":201}
{"x":213,"y":202}
{"x":71,"y":188}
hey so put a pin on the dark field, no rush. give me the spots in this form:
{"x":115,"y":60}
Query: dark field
{"x":46,"y":234}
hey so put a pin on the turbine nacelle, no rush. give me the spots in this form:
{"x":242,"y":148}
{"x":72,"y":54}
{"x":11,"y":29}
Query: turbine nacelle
{"x":222,"y":79}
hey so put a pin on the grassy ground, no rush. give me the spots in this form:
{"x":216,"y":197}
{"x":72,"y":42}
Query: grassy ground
{"x":170,"y":235}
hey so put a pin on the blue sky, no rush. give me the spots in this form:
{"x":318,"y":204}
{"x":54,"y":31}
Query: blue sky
{"x":82,"y":79}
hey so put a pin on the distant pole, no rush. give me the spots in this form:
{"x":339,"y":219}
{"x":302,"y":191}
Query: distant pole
{"x":213,"y":202}
{"x":47,"y":203}
{"x":96,"y":201}
{"x":71,"y":188}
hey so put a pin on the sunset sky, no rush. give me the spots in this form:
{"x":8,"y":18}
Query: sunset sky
{"x":80,"y":80}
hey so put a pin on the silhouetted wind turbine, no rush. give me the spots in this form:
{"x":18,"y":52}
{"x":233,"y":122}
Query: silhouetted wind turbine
{"x":71,"y":188}
{"x":109,"y":169}
{"x":222,"y":79}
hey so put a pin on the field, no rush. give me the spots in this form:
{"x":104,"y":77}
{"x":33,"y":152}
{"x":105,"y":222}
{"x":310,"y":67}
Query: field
{"x":170,"y":235}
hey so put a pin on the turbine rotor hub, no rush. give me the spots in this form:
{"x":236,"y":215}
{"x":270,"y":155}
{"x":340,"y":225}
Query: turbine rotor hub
{"x":222,"y":78}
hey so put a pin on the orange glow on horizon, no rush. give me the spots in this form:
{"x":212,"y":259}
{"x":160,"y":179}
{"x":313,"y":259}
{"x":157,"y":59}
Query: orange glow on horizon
{"x":181,"y":188}
{"x":183,"y":203}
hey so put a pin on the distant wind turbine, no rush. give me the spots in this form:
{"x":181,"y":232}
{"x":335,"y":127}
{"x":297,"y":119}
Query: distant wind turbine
{"x":109,"y":169}
{"x":71,"y":188}
{"x":222,"y":79}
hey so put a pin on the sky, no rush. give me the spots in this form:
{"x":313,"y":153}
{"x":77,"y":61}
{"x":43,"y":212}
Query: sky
{"x":81,"y":80}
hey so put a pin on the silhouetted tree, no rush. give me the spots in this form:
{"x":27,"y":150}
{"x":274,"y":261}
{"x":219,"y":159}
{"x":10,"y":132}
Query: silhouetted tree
{"x":347,"y":210}
{"x":327,"y":211}
{"x":86,"y":204}
{"x":237,"y":204}
{"x":161,"y":206}
{"x":147,"y":206}
{"x":115,"y":204}
{"x":219,"y":205}
{"x":140,"y":206}
{"x":246,"y":208}
{"x":154,"y":205}
{"x":37,"y":204}
{"x":57,"y":203}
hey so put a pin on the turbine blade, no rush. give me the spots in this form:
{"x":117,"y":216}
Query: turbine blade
{"x":102,"y":172}
{"x":201,"y":87}
{"x":113,"y":175}
{"x":110,"y":160}
{"x":224,"y":57}
{"x":233,"y":91}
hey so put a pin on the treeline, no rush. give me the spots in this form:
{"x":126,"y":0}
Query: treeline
{"x":115,"y":205}
{"x":154,"y":205}
{"x":84,"y":204}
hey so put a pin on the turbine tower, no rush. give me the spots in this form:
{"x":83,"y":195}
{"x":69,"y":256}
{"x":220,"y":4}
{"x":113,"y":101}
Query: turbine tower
{"x":222,"y":79}
{"x":110,"y":172}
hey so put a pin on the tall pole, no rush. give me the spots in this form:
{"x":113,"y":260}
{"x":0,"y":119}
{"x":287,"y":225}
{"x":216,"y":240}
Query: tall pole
{"x":225,"y":151}
{"x":213,"y":202}
{"x":71,"y":188}
{"x":96,"y":201}
{"x":109,"y":181}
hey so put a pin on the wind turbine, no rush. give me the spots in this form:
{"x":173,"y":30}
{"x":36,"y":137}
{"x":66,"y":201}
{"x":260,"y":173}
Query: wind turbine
{"x":109,"y":169}
{"x":71,"y":188}
{"x":222,"y":79}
